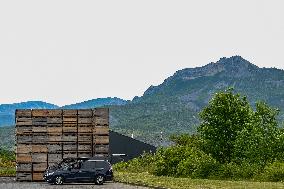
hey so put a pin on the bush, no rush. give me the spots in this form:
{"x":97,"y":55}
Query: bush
{"x":274,"y":172}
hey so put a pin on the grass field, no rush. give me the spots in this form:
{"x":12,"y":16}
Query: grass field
{"x":146,"y":179}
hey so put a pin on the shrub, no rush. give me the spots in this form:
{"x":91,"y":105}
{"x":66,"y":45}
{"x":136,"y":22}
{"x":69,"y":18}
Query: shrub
{"x":274,"y":172}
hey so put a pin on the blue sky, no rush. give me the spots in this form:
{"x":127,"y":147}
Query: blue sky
{"x":69,"y":51}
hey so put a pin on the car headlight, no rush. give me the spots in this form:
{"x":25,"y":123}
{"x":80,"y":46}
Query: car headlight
{"x":50,"y":173}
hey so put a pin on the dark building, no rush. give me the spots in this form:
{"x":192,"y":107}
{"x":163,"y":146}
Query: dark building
{"x":124,"y":148}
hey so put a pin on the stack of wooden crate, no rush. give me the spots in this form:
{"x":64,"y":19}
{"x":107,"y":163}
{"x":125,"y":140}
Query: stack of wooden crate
{"x":45,"y":137}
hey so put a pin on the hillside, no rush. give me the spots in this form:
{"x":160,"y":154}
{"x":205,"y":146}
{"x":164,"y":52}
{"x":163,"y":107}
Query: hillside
{"x":173,"y":106}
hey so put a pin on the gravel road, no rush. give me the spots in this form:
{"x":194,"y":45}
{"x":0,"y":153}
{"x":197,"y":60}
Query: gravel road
{"x":10,"y":183}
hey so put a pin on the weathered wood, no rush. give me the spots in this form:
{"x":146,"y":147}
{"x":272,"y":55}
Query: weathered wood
{"x":24,"y":130}
{"x":24,"y":167}
{"x":102,"y":139}
{"x":101,"y":112}
{"x":55,"y":130}
{"x":69,"y":155}
{"x":36,"y":148}
{"x":23,"y":113}
{"x":69,"y":129}
{"x":23,"y":121}
{"x":67,"y":120}
{"x":54,"y":120}
{"x":86,"y":120}
{"x":101,"y":130}
{"x":39,"y":121}
{"x":37,"y":176}
{"x":85,"y":147}
{"x":54,"y":148}
{"x":85,"y":129}
{"x":39,"y":167}
{"x":55,"y":138}
{"x":39,"y":129}
{"x":39,"y":157}
{"x":39,"y":113}
{"x":24,"y":138}
{"x":54,"y":113}
{"x":101,"y":149}
{"x":70,"y":137}
{"x":69,"y":113}
{"x":84,"y":137}
{"x":23,"y":176}
{"x":101,"y":121}
{"x":55,"y":158}
{"x":23,"y":158}
{"x":85,"y":113}
{"x":23,"y":149}
{"x":40,"y":138}
{"x":69,"y":147}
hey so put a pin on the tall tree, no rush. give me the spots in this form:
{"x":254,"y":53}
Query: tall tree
{"x":226,"y":115}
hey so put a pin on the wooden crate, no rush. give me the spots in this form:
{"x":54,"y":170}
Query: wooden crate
{"x":85,"y":113}
{"x":24,"y":158}
{"x":69,"y":137}
{"x":54,"y":120}
{"x":39,"y":129}
{"x":54,"y":158}
{"x":39,"y":113}
{"x":23,"y":149}
{"x":54,"y":129}
{"x":84,"y":137}
{"x":24,"y":139}
{"x":23,"y":176}
{"x":39,"y":167}
{"x":37,"y":148}
{"x":39,"y":121}
{"x":101,"y":130}
{"x":85,"y":120}
{"x":54,"y":148}
{"x":24,"y":167}
{"x":40,"y":138}
{"x":85,"y":128}
{"x":69,"y":113}
{"x":54,"y":113}
{"x":69,"y":155}
{"x":55,"y":138}
{"x":101,"y":112}
{"x":24,"y":129}
{"x":101,"y":149}
{"x":69,"y":147}
{"x":71,"y":128}
{"x":39,"y":157}
{"x":100,"y":121}
{"x":104,"y":139}
{"x":85,"y":147}
{"x":37,"y":176}
{"x":23,"y":113}
{"x":69,"y":120}
{"x":21,"y":121}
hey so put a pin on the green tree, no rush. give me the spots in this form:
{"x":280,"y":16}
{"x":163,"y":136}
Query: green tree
{"x":260,"y":140}
{"x":226,"y":115}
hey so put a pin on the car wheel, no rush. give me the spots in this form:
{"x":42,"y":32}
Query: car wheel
{"x":58,"y":180}
{"x":99,"y":180}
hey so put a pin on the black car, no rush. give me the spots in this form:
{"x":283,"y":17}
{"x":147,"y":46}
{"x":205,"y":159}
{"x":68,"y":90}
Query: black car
{"x":79,"y":170}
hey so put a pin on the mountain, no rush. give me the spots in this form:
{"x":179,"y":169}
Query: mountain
{"x":7,"y":111}
{"x":96,"y":103}
{"x":173,"y":106}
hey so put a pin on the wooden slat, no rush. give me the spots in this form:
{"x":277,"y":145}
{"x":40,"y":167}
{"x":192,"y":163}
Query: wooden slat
{"x":55,"y":138}
{"x":69,"y":137}
{"x":55,"y":130}
{"x":40,"y":138}
{"x":39,"y":157}
{"x":101,"y":121}
{"x":24,"y":138}
{"x":24,"y":148}
{"x":36,"y":148}
{"x":101,"y":112}
{"x":85,"y":129}
{"x":69,"y":129}
{"x":84,"y":137}
{"x":39,"y":113}
{"x":24,"y":158}
{"x":39,"y":129}
{"x":101,"y":130}
{"x":101,"y":149}
{"x":69,"y":155}
{"x":23,"y":176}
{"x":85,"y":147}
{"x":101,"y":139}
{"x":54,"y":113}
{"x":86,"y":120}
{"x":24,"y":130}
{"x":54,"y":120}
{"x":24,"y":167}
{"x":85,"y":113}
{"x":68,"y":113}
{"x":69,"y":147}
{"x":54,"y":158}
{"x":39,"y":167}
{"x":54,"y":148}
{"x":23,"y":113}
{"x":38,"y":176}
